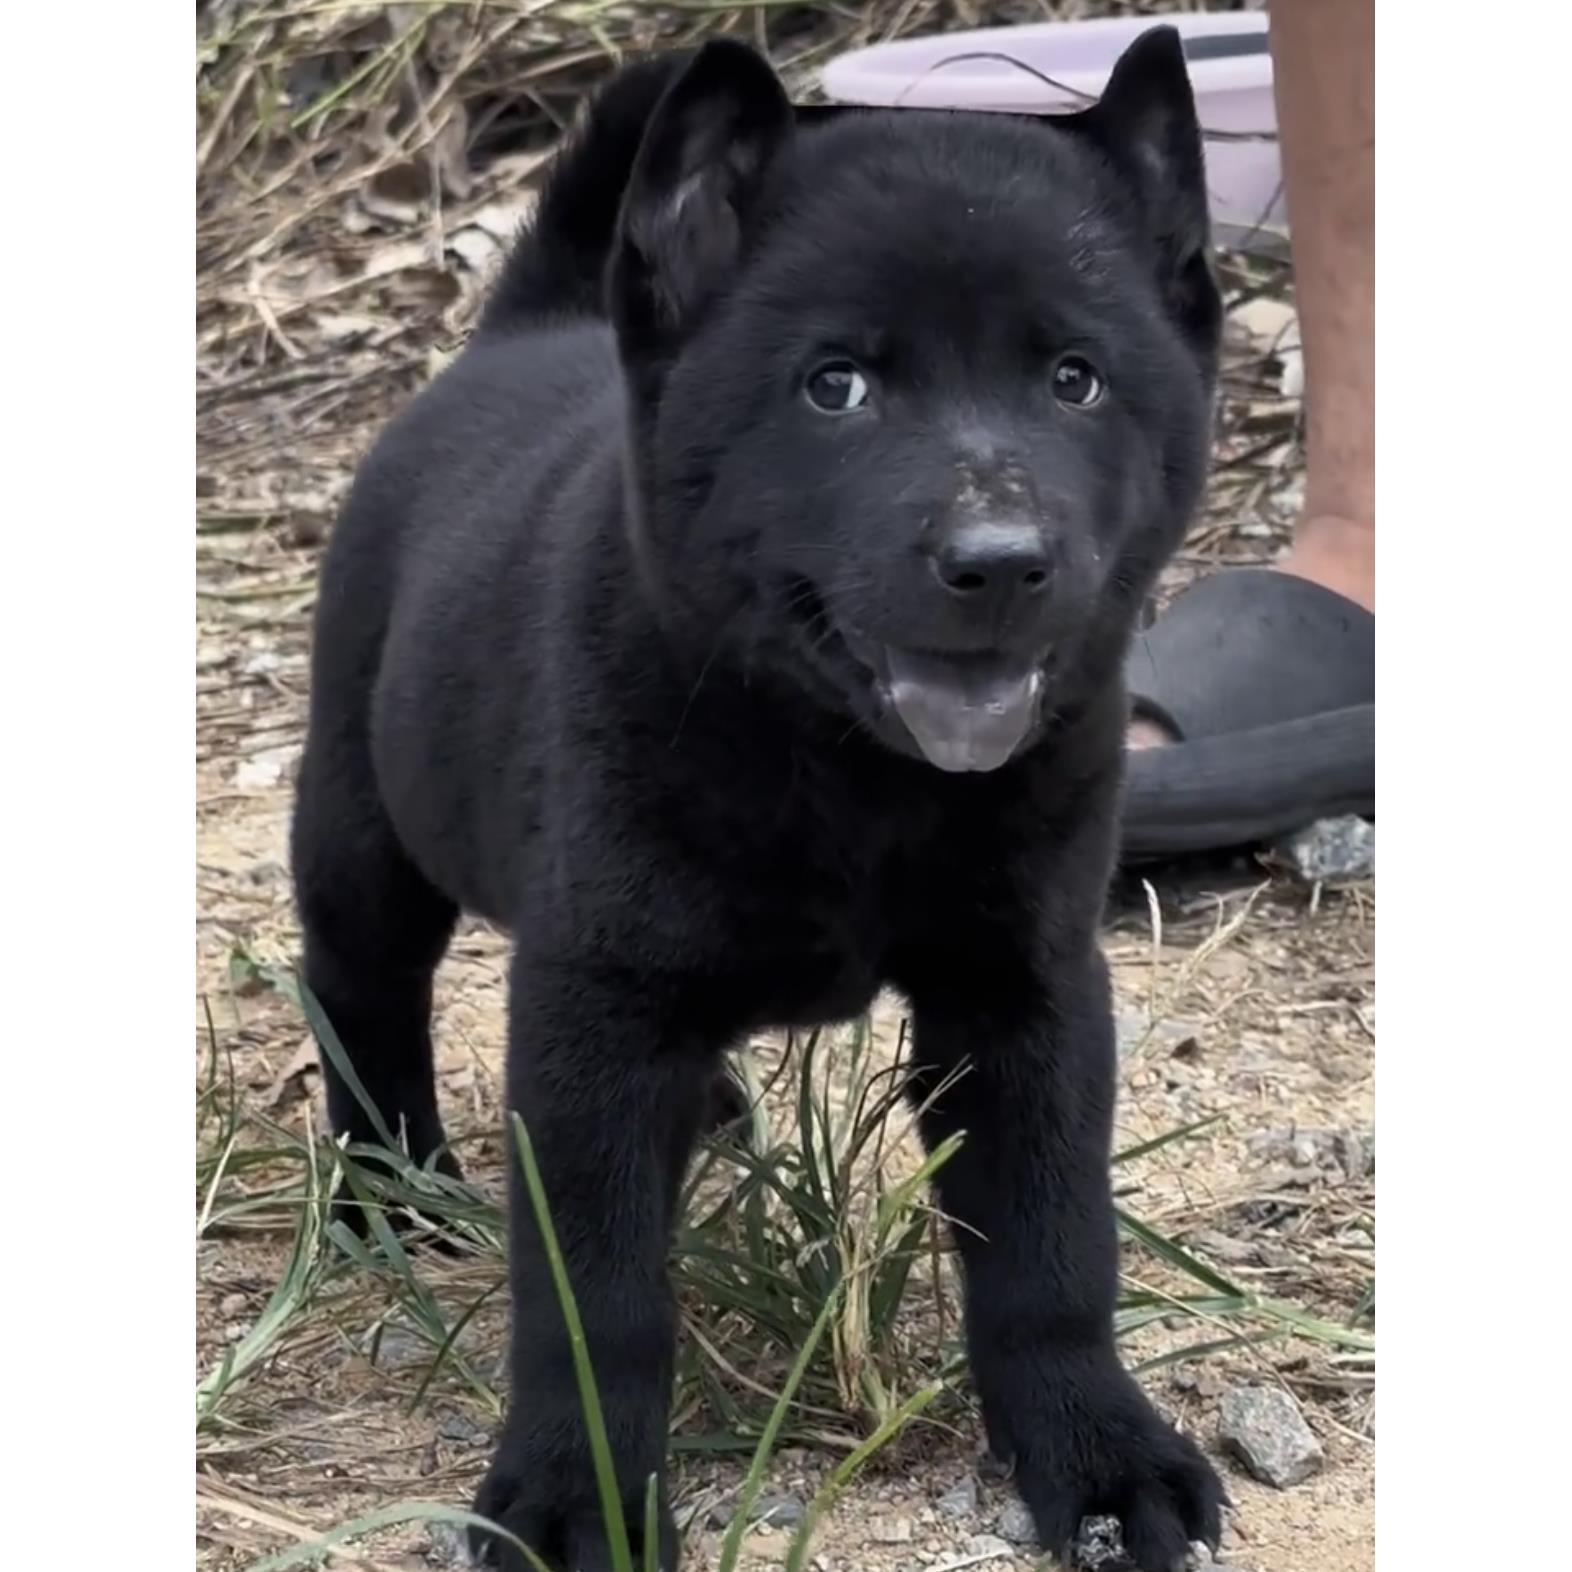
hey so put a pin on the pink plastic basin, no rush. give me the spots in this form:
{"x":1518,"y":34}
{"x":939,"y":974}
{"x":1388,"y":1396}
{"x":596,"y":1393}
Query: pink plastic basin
{"x":1229,"y":68}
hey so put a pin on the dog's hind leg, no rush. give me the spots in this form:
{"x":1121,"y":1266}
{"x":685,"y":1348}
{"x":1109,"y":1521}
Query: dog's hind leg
{"x":374,"y":932}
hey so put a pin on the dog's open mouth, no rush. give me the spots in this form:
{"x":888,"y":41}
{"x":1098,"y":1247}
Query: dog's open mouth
{"x":965,"y":711}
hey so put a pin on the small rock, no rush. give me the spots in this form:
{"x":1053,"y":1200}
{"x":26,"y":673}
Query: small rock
{"x":1015,"y":1524}
{"x":394,"y":1349}
{"x":446,"y":1545}
{"x":1135,"y":1029}
{"x":463,"y":1429}
{"x":1225,"y":1248}
{"x":1304,"y":1151}
{"x":232,"y":1305}
{"x":266,"y":768}
{"x":1263,"y":1428}
{"x":960,"y":1500}
{"x":778,"y":1510}
{"x":1355,"y":1152}
{"x":891,"y":1531}
{"x":1203,"y":1382}
{"x":264,"y":663}
{"x":1328,"y":849}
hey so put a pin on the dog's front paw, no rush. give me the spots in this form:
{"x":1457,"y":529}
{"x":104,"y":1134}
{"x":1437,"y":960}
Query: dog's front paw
{"x":1094,"y":1446}
{"x":550,"y":1504}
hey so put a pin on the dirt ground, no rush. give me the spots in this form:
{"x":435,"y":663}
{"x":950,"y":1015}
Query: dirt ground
{"x":1250,"y":997}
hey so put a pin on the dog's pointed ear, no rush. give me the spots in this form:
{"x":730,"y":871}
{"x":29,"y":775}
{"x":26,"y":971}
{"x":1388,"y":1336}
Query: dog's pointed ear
{"x":692,"y":192}
{"x":1146,"y":124}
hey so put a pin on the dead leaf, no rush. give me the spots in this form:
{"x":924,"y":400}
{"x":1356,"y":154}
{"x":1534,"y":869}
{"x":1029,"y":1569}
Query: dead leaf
{"x":289,"y":1085}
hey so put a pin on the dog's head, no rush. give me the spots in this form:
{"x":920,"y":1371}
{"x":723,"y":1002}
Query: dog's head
{"x":920,"y":401}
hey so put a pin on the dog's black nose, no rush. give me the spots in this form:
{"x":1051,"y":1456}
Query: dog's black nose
{"x":993,"y":565}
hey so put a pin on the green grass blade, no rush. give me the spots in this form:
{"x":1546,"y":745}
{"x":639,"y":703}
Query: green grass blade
{"x":612,"y":1518}
{"x":293,"y":988}
{"x":292,"y":1292}
{"x":652,"y":1525}
{"x":731,"y":1547}
{"x":319,"y":1550}
{"x":842,"y":1474}
{"x":1158,"y":1142}
{"x":1165,"y":1249}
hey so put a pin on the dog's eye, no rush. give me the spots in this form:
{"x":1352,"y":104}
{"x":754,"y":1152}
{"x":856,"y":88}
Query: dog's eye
{"x":836,"y":388}
{"x":1075,"y":381}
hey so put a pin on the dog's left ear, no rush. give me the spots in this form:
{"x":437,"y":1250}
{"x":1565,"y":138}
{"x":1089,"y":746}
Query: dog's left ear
{"x":691,"y":195}
{"x":1146,"y":124}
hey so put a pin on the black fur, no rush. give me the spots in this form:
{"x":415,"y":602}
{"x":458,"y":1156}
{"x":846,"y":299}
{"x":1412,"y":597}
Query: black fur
{"x":606,"y":652}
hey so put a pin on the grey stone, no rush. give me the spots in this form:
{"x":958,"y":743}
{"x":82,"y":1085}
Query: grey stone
{"x":447,"y":1546}
{"x":891,"y":1531}
{"x":396,"y":1349}
{"x":1355,"y":1151}
{"x":1329,"y":849}
{"x":1015,"y":1524}
{"x":1225,"y":1248}
{"x":778,"y":1509}
{"x":463,"y":1429}
{"x":960,"y":1500}
{"x":1263,"y":1427}
{"x":1163,"y":1038}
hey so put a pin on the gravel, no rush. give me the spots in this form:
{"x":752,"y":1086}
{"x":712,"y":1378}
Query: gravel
{"x":960,"y":1500}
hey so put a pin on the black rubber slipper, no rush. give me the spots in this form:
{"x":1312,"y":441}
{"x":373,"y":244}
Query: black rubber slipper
{"x":1267,"y":683}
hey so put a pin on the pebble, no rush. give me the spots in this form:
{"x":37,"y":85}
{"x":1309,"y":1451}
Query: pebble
{"x":267,"y":768}
{"x":1263,"y":1427}
{"x":1203,"y":1382}
{"x":396,"y":1349}
{"x":1355,"y":1151}
{"x":1225,"y":1248}
{"x":1015,"y":1524}
{"x":778,"y":1509}
{"x":447,"y":1545}
{"x":461,"y":1428}
{"x":1350,"y":1148}
{"x":1329,"y":849}
{"x":1163,"y":1038}
{"x":891,"y":1531}
{"x":960,"y":1500}
{"x":232,"y":1305}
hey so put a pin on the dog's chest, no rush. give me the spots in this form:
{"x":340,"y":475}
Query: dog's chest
{"x":810,"y":952}
{"x":805,"y":984}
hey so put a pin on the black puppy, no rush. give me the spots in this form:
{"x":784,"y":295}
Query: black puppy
{"x":740,"y":621}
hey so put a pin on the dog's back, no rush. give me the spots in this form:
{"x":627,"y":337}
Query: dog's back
{"x":493,"y":479}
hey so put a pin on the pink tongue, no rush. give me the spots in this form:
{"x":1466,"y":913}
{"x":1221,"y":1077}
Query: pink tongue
{"x":964,"y":716}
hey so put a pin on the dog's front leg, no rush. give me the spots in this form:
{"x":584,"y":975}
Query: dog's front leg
{"x":1030,"y":1043}
{"x":611,"y":1076}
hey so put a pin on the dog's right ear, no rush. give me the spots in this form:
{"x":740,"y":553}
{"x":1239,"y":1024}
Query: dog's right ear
{"x":691,"y":196}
